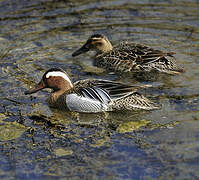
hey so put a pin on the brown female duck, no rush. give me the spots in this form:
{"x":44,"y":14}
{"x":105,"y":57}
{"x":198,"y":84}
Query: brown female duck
{"x":129,"y":57}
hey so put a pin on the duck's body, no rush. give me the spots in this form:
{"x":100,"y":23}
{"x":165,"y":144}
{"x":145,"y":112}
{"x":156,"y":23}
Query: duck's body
{"x":129,"y":57}
{"x":91,"y":95}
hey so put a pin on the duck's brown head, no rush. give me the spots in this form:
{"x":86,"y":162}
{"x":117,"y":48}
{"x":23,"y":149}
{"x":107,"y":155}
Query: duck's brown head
{"x":55,"y":79}
{"x":96,"y":42}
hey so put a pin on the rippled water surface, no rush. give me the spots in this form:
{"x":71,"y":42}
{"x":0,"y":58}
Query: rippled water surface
{"x":38,"y":142}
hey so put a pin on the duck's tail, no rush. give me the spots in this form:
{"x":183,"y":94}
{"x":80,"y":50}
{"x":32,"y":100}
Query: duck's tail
{"x":135,"y":101}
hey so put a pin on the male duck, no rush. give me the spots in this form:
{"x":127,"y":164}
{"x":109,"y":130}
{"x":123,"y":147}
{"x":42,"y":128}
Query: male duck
{"x":91,"y":95}
{"x":129,"y":57}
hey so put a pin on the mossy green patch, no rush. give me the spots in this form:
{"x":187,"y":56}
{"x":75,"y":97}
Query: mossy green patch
{"x":11,"y":130}
{"x":132,"y":125}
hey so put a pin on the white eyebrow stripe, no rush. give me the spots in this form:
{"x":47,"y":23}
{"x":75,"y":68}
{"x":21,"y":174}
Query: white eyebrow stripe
{"x":60,"y":74}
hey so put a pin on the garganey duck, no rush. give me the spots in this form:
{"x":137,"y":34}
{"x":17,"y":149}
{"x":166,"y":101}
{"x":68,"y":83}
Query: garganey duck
{"x":129,"y":57}
{"x":91,"y":95}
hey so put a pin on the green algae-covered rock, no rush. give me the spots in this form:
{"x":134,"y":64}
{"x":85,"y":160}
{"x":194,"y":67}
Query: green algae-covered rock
{"x":10,"y":130}
{"x":131,"y":126}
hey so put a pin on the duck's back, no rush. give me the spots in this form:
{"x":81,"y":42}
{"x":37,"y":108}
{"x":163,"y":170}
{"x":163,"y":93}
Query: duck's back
{"x":131,"y":57}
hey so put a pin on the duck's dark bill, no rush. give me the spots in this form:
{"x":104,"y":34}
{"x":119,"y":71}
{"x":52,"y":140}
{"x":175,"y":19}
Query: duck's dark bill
{"x":83,"y":49}
{"x":38,"y":87}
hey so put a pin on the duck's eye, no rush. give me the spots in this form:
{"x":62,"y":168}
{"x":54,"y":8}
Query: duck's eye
{"x":99,"y":44}
{"x":87,"y":46}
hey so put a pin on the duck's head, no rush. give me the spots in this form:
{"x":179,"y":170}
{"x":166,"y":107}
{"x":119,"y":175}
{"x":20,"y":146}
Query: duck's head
{"x":96,"y":42}
{"x":56,"y":79}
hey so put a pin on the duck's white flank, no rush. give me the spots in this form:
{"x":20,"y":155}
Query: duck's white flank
{"x":60,"y":74}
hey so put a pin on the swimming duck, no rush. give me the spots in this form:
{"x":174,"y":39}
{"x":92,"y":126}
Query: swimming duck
{"x":91,"y":95}
{"x":129,"y":57}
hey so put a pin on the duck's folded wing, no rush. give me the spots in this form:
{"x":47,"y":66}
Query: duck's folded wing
{"x":96,"y":93}
{"x":117,"y":90}
{"x":105,"y":90}
{"x":138,"y":55}
{"x":148,"y":59}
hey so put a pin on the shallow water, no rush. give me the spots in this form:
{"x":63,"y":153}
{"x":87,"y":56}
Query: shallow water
{"x":38,"y":142}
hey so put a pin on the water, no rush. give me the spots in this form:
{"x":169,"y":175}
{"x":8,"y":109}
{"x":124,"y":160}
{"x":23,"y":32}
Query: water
{"x":37,"y":142}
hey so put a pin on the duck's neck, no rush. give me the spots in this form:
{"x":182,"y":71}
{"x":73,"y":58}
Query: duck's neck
{"x":58,"y":98}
